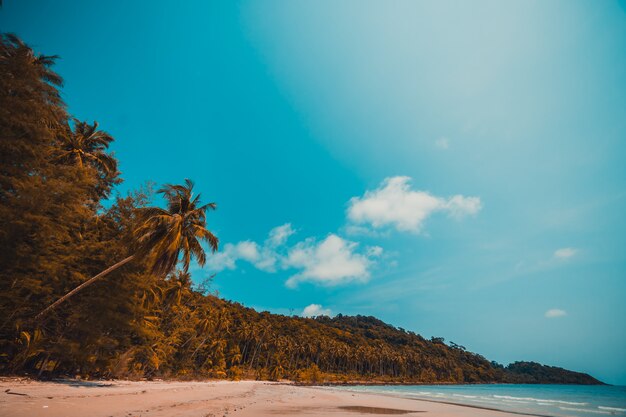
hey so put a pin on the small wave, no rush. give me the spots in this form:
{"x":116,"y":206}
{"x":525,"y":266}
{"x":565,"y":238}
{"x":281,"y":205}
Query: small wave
{"x":586,"y":410}
{"x":465,"y":396}
{"x":508,"y":397}
{"x":515,"y":402}
{"x":621,"y":410}
{"x":487,"y":401}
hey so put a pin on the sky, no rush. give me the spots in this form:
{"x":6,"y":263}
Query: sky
{"x":452,"y":168}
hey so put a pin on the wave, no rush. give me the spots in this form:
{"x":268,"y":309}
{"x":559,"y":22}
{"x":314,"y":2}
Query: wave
{"x":543,"y":400}
{"x":568,"y":401}
{"x":621,"y":410}
{"x":465,"y":396}
{"x":586,"y":410}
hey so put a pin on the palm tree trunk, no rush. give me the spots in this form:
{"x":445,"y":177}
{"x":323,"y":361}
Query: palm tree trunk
{"x":43,"y":365}
{"x":82,"y":286}
{"x":199,"y":346}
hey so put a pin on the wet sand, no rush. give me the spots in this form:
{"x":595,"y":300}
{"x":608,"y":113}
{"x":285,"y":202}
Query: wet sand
{"x":71,"y":398}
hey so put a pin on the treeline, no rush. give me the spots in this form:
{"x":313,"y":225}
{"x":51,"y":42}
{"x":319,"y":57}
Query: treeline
{"x":534,"y":373}
{"x":144,"y":318}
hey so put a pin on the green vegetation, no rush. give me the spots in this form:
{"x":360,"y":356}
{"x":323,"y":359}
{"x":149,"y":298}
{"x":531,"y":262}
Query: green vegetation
{"x":104,"y":291}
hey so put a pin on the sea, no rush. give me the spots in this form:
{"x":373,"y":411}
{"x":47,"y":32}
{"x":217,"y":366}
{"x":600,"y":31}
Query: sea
{"x":539,"y":400}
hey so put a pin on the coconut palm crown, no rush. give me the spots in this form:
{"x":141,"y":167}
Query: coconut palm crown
{"x":85,"y":145}
{"x":167,"y":234}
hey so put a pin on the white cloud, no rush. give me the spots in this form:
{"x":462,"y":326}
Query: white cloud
{"x":459,"y":206}
{"x":395,"y":204}
{"x":442,"y":143}
{"x":314,"y":310}
{"x":555,"y":313}
{"x":565,"y":253}
{"x":267,"y":261}
{"x":262,"y":257}
{"x":279,"y":235}
{"x":247,"y":250}
{"x":228,"y":256}
{"x":330,"y":262}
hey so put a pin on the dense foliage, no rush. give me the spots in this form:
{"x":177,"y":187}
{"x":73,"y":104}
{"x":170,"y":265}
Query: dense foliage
{"x":145,"y":318}
{"x":534,"y":373}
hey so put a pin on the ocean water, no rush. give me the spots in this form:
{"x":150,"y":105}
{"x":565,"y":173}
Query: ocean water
{"x":544,"y":400}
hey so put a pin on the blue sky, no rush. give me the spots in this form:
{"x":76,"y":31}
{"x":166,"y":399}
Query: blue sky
{"x":453,"y":168}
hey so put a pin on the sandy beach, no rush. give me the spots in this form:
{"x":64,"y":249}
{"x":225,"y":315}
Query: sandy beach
{"x":72,"y":398}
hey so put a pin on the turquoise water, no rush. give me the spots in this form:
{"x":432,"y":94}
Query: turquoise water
{"x":545,"y":400}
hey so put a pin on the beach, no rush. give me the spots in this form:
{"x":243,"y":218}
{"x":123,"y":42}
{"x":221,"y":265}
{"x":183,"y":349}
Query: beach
{"x":74,"y":398}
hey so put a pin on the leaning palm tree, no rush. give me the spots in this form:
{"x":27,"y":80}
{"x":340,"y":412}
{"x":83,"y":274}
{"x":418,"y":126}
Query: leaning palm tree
{"x":164,"y":236}
{"x":85,"y":145}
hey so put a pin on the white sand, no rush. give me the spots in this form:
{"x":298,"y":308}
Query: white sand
{"x":203,"y":399}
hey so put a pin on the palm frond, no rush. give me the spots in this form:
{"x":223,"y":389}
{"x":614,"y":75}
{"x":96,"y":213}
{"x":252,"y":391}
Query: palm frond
{"x":147,"y":212}
{"x":211,"y":206}
{"x":197,"y":251}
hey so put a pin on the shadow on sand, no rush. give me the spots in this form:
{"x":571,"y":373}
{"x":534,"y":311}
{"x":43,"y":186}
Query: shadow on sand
{"x":77,"y":383}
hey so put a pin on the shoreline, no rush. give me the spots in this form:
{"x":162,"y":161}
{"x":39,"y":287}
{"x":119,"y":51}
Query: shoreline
{"x":74,"y":398}
{"x":417,"y":384}
{"x":521,"y":413}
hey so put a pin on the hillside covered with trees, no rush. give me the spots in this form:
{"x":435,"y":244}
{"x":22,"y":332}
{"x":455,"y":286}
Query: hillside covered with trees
{"x":101,"y":290}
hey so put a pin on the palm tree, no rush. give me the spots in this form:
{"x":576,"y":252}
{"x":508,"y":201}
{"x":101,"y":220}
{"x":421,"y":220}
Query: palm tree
{"x":86,"y":145}
{"x":179,"y":287}
{"x":15,"y":47}
{"x":163,"y":235}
